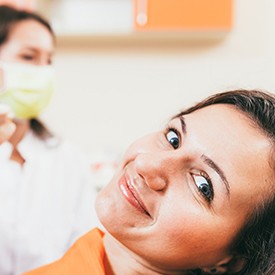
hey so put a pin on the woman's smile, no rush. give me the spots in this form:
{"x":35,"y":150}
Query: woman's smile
{"x":131,"y":194}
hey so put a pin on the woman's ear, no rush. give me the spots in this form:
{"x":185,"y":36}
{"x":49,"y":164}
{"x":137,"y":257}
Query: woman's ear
{"x":228,"y":265}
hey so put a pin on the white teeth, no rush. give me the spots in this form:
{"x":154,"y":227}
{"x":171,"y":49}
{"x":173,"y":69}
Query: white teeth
{"x":132,"y":189}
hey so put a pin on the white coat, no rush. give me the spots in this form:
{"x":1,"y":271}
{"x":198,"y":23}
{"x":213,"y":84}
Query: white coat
{"x":45,"y":205}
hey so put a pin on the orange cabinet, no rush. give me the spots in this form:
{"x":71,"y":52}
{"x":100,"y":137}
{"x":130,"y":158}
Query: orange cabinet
{"x":182,"y":15}
{"x":132,"y":18}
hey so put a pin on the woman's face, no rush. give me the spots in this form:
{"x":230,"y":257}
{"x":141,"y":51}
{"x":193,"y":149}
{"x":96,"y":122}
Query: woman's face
{"x":28,"y":42}
{"x":181,"y":195}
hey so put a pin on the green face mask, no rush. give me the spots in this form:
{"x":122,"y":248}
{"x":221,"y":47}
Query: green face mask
{"x":27,"y":89}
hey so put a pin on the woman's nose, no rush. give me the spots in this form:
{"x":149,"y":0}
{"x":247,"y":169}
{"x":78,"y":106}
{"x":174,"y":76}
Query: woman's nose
{"x":155,"y":169}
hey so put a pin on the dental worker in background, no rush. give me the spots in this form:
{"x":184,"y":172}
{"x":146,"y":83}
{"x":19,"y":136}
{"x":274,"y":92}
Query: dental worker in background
{"x":46,"y":189}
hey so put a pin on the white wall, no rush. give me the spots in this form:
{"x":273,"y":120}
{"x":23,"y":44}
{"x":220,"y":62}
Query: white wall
{"x":109,"y":93}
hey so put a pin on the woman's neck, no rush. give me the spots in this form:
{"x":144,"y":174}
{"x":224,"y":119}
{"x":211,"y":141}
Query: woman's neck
{"x":120,"y":260}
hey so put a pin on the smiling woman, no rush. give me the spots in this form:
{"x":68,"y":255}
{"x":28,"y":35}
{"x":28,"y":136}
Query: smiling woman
{"x":194,"y":198}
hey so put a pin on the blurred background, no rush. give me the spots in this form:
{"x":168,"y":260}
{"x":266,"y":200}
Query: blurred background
{"x":124,"y":67}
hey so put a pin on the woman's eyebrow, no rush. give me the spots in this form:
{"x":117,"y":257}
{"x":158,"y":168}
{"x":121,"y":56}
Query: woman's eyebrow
{"x":36,"y":50}
{"x":30,"y":48}
{"x":218,"y":170}
{"x":183,"y":124}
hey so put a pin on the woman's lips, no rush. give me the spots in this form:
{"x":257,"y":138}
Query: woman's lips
{"x":130,"y":193}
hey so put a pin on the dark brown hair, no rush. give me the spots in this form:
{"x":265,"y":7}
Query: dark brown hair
{"x":256,"y":241}
{"x":9,"y":17}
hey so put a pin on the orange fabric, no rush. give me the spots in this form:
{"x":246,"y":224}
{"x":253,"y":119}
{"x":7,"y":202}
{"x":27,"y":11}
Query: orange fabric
{"x":85,"y":257}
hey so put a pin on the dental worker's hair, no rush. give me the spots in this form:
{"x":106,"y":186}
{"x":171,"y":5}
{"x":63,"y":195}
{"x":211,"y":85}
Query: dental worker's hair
{"x":255,"y":244}
{"x":9,"y":17}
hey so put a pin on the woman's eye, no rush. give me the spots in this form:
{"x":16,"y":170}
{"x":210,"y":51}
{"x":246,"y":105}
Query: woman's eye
{"x":27,"y":57}
{"x":205,"y":187}
{"x":173,"y":138}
